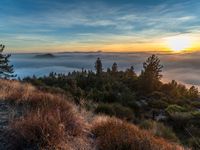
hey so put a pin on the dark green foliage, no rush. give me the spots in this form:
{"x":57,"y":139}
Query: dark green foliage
{"x":159,"y":129}
{"x":194,"y":143}
{"x":193,"y":92}
{"x":196,"y":104}
{"x":158,"y":104}
{"x":6,"y":70}
{"x":114,"y":67}
{"x":98,"y":66}
{"x":151,"y":75}
{"x":171,"y":109}
{"x":116,"y":110}
{"x":174,"y":90}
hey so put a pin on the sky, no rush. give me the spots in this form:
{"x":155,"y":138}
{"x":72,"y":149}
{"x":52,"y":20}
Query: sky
{"x":99,"y":25}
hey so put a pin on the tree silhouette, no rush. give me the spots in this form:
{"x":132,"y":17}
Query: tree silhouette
{"x":130,"y":72}
{"x":114,"y":67}
{"x":193,"y":92}
{"x":98,"y":66}
{"x":151,"y":75}
{"x":6,"y":70}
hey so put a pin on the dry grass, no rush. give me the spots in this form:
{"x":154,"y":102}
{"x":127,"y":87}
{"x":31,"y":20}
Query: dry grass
{"x":49,"y":121}
{"x":114,"y":134}
{"x":14,"y":90}
{"x":50,"y":128}
{"x":52,"y":122}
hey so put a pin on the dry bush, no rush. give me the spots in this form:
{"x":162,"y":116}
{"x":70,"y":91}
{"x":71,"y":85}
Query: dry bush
{"x":49,"y":121}
{"x":14,"y":90}
{"x":113,"y":134}
{"x":57,"y":125}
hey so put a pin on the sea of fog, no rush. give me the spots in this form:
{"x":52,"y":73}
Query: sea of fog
{"x":184,"y":68}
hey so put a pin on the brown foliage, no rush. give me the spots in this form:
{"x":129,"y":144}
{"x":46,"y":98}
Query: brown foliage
{"x":114,"y":134}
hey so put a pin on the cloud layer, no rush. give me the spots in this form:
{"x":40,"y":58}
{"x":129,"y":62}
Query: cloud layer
{"x":182,"y":67}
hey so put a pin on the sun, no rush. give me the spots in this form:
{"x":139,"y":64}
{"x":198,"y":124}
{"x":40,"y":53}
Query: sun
{"x":178,"y":43}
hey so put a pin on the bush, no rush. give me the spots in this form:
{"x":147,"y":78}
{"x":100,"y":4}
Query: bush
{"x":159,"y":129}
{"x":157,"y":95}
{"x":179,"y":120}
{"x":196,"y":104}
{"x":49,"y":128}
{"x":171,"y":109}
{"x":48,"y":121}
{"x":194,"y":143}
{"x":158,"y":104}
{"x":116,"y":110}
{"x":113,"y":134}
{"x":105,"y":109}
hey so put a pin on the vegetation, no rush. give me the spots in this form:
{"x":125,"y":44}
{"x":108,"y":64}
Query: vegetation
{"x":6,"y":70}
{"x":53,"y":112}
{"x":116,"y":110}
{"x":131,"y":97}
{"x":52,"y":121}
{"x":114,"y":134}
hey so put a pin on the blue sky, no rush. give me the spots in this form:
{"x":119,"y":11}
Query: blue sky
{"x":90,"y":25}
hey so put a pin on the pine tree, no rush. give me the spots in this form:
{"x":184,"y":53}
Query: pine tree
{"x":6,"y":70}
{"x":98,"y":66}
{"x":151,"y":75}
{"x":114,"y":67}
{"x":193,"y":92}
{"x":130,"y":72}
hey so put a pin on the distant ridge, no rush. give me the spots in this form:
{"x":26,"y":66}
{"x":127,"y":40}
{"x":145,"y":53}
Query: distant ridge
{"x":48,"y":55}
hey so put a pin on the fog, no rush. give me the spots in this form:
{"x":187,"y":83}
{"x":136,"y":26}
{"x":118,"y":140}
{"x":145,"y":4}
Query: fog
{"x":184,"y":68}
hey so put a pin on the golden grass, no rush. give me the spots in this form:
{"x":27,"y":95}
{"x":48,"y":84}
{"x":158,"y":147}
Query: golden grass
{"x":50,"y":129}
{"x":49,"y":120}
{"x":114,"y":134}
{"x":53,"y":122}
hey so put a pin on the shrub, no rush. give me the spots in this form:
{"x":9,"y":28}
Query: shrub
{"x":147,"y":124}
{"x":158,"y":104}
{"x":49,"y":121}
{"x":194,"y":143}
{"x":115,"y":110}
{"x":196,"y":104}
{"x":49,"y":127}
{"x":179,"y":120}
{"x":171,"y":109}
{"x":113,"y":134}
{"x":159,"y":129}
{"x":157,"y":95}
{"x":105,"y":109}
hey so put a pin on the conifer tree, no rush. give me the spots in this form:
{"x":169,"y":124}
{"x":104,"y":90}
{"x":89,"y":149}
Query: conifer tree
{"x":98,"y":66}
{"x":114,"y":67}
{"x":6,"y":70}
{"x":151,"y":75}
{"x":130,"y":72}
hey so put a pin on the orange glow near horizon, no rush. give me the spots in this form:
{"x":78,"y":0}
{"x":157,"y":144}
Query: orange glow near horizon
{"x":176,"y":44}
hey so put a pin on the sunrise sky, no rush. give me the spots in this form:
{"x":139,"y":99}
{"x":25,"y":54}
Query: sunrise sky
{"x":106,"y":25}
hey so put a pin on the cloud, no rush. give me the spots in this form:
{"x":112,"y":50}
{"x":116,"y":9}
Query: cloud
{"x":102,"y":22}
{"x":183,"y":68}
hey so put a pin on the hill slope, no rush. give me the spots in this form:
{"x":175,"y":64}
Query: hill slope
{"x":41,"y":120}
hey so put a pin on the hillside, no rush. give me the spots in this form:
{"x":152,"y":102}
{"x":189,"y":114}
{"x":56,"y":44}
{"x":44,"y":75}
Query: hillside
{"x":34,"y":119}
{"x":48,"y":55}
